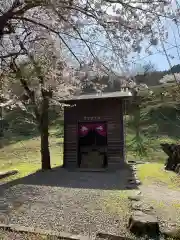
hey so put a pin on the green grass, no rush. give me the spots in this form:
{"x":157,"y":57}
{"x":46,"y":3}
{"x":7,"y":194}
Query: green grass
{"x":154,"y":152}
{"x":26,"y":158}
{"x":23,"y":153}
{"x":117,"y":202}
{"x":152,"y":173}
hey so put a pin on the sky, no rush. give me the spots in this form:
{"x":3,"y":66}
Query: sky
{"x":158,"y":57}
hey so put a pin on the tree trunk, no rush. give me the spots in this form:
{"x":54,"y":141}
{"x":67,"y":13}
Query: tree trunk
{"x":44,"y":130}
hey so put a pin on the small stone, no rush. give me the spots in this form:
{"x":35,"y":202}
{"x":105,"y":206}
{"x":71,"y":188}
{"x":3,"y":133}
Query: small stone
{"x":143,"y":224}
{"x":134,"y":198}
{"x":131,"y":181}
{"x":134,"y":181}
{"x":138,"y":182}
{"x":138,"y":193}
{"x":173,"y":233}
{"x":136,"y":205}
{"x":129,"y":187}
{"x":132,"y":162}
{"x":139,"y":206}
{"x":134,"y":178}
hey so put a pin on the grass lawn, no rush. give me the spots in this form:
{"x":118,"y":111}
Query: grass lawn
{"x":154,"y":152}
{"x":165,"y":198}
{"x":152,"y":173}
{"x":26,"y":158}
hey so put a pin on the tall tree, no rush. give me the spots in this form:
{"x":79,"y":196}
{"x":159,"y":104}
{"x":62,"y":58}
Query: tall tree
{"x":40,"y":79}
{"x":102,"y":32}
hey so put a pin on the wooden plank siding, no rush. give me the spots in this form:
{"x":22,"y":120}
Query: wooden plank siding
{"x":70,"y":139}
{"x":109,"y":110}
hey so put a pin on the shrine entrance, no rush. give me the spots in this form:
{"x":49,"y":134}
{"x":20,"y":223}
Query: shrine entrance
{"x":92,"y":145}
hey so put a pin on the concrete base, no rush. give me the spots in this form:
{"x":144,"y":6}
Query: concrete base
{"x":111,"y":168}
{"x":92,"y":169}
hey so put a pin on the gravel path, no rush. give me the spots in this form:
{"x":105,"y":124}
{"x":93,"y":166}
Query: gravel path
{"x":165,"y":201}
{"x":78,"y":207}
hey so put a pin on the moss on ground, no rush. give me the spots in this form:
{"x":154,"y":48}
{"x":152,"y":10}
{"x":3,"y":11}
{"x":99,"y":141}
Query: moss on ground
{"x":152,"y":173}
{"x":116,"y":202}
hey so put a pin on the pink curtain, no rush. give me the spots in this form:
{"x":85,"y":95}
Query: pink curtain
{"x":100,"y":128}
{"x":84,"y":129}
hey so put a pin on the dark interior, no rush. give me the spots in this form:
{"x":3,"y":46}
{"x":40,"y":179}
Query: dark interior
{"x":93,"y":140}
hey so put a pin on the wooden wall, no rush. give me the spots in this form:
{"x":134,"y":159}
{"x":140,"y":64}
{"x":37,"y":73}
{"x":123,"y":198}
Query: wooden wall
{"x":110,"y":110}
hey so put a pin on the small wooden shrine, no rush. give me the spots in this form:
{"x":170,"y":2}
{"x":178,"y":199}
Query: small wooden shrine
{"x":94,"y":130}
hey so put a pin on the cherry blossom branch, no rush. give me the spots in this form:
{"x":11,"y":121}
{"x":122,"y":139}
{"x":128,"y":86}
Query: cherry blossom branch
{"x":75,"y":29}
{"x":51,"y":30}
{"x":127,"y":5}
{"x":8,"y":15}
{"x":15,"y":54}
{"x":24,"y":83}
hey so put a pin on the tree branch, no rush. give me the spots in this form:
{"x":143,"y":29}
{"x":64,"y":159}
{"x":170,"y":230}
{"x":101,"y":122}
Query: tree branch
{"x":7,"y":16}
{"x":15,"y":54}
{"x":29,"y":92}
{"x":51,"y":30}
{"x":127,"y":5}
{"x":75,"y":29}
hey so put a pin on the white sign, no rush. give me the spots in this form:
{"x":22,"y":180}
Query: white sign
{"x":92,"y":118}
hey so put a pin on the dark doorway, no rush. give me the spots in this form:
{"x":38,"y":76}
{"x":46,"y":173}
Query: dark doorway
{"x":92,"y":139}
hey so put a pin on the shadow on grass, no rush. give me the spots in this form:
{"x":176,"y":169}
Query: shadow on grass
{"x":61,"y":177}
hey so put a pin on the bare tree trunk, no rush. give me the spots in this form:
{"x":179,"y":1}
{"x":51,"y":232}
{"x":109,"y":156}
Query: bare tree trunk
{"x":44,"y":130}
